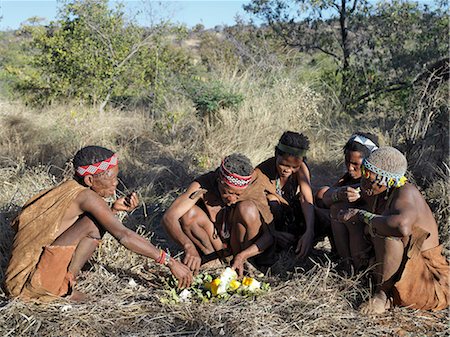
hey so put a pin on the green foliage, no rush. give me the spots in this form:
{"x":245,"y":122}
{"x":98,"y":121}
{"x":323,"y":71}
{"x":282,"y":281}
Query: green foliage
{"x":378,"y":48}
{"x":210,"y":97}
{"x":94,"y":54}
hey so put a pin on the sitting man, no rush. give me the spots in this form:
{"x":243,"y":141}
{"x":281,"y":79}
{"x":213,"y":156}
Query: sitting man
{"x":340,"y":195}
{"x":410,"y":268}
{"x":291,"y":198}
{"x":222,"y":212}
{"x":58,"y":230}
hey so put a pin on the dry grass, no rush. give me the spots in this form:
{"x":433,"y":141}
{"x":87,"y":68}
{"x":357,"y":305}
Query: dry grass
{"x":159,"y":156}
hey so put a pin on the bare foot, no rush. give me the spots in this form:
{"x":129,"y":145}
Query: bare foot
{"x":213,"y":264}
{"x":78,"y":296}
{"x":378,"y":304}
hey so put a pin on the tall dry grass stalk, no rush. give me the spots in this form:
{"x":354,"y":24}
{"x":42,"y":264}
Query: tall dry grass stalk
{"x":159,"y":156}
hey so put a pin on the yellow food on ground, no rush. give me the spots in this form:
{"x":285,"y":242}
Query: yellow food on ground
{"x":234,"y":284}
{"x":246,"y":281}
{"x":251,"y":283}
{"x":215,"y":286}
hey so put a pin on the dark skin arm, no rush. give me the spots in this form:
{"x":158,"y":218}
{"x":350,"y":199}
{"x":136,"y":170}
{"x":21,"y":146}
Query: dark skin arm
{"x":306,"y":201}
{"x":344,"y":193}
{"x":92,"y":203}
{"x":263,"y":242}
{"x":171,"y":223}
{"x":397,"y":221}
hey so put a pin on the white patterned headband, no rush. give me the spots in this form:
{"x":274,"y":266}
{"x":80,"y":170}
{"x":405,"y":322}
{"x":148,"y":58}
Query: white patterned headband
{"x":99,"y":167}
{"x":233,"y":179}
{"x":364,"y":141}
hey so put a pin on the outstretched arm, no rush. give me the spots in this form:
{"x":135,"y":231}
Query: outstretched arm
{"x":261,"y":244}
{"x":91,"y":203}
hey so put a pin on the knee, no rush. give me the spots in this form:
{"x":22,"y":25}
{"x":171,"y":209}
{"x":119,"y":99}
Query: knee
{"x":189,"y":219}
{"x":319,"y":194}
{"x":248,"y":214}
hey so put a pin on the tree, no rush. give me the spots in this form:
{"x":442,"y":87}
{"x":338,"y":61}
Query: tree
{"x":370,"y":43}
{"x":92,"y":53}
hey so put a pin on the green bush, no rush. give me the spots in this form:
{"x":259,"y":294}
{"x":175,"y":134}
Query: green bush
{"x":210,"y":97}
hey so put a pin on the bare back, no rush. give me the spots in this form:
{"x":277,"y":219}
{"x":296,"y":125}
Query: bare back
{"x":414,"y":211}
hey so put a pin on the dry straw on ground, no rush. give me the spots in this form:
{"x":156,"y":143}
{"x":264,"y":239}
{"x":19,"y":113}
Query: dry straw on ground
{"x":159,"y":157}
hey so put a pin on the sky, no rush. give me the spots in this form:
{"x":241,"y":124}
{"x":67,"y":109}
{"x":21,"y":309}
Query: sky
{"x":210,"y":13}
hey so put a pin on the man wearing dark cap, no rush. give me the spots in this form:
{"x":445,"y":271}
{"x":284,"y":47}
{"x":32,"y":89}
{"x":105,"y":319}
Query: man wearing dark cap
{"x":410,"y":269}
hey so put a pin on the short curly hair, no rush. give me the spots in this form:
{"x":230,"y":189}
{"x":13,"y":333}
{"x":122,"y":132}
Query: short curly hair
{"x":90,"y":155}
{"x":239,"y":164}
{"x":292,"y":139}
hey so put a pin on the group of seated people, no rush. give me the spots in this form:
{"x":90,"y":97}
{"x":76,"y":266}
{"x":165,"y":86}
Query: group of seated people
{"x":374,"y":218}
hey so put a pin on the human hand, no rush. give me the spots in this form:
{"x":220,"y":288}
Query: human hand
{"x":347,"y":194}
{"x":127,"y":203}
{"x":349,"y":215}
{"x":192,"y":259}
{"x":181,"y":272}
{"x":304,"y":245}
{"x":238,"y":265}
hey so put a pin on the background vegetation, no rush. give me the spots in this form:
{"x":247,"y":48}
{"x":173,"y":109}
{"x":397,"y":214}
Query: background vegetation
{"x":173,"y":101}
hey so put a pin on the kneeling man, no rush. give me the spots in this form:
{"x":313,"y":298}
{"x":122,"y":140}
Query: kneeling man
{"x":224,"y":211}
{"x":410,"y":268}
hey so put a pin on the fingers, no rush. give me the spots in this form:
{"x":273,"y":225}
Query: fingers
{"x":183,"y":275}
{"x":193,"y":263}
{"x":239,"y":268}
{"x":131,"y":200}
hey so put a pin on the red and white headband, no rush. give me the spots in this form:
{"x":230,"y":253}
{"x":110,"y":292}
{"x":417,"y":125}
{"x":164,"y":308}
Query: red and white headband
{"x":233,"y":179}
{"x":99,"y":167}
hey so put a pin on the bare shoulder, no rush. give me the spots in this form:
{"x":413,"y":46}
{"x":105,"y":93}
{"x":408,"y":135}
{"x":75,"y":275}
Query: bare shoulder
{"x":192,"y":188}
{"x":303,"y":173}
{"x":87,"y":199}
{"x":409,"y":192}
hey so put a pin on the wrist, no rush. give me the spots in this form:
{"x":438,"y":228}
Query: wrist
{"x":367,"y":218}
{"x":164,"y":258}
{"x":335,"y":196}
{"x":240,"y":256}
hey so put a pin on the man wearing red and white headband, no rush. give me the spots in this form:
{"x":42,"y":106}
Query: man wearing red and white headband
{"x":222,"y":212}
{"x":58,"y":230}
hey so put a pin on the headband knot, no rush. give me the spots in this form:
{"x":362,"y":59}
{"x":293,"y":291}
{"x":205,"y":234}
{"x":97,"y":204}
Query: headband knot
{"x":293,"y":151}
{"x":99,"y":167}
{"x":233,"y":179}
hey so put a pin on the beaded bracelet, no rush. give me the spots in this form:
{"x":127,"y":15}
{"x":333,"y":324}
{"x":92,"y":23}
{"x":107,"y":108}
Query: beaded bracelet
{"x":367,"y":218}
{"x":335,"y":196}
{"x":164,"y":258}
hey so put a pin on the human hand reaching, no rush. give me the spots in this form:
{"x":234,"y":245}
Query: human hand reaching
{"x":192,"y":259}
{"x":304,"y":245}
{"x":181,"y":272}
